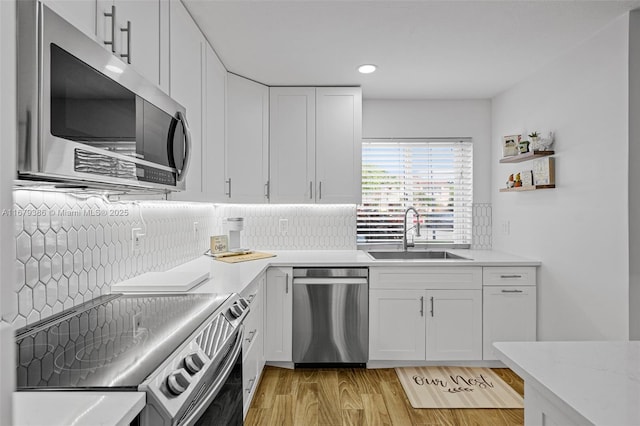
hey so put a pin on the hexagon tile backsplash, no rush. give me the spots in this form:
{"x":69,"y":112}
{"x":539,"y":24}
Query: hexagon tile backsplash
{"x":306,"y":227}
{"x":70,"y":249}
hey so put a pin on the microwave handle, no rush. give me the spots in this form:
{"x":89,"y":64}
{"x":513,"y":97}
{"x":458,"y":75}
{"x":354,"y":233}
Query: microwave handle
{"x":187,"y":146}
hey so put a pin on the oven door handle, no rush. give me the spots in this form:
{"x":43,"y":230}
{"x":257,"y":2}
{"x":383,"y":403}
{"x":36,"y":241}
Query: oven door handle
{"x":204,"y":403}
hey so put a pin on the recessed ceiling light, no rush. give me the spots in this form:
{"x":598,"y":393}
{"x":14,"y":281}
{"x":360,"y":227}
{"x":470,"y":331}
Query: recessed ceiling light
{"x":114,"y":68}
{"x":367,"y":68}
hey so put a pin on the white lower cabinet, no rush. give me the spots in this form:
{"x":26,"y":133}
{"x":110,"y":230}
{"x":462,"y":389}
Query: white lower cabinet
{"x":454,"y":325}
{"x":509,"y":315}
{"x":396,"y":325}
{"x":253,"y":343}
{"x":278,"y":315}
{"x":427,"y":320}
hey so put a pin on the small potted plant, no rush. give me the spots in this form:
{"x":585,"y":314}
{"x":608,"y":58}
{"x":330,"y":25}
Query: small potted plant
{"x":535,"y":140}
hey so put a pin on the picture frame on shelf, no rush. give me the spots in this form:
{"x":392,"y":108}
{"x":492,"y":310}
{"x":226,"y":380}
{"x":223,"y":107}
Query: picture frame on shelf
{"x":510,"y":145}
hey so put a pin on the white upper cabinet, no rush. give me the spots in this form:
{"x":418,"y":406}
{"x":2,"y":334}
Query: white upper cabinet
{"x":133,"y":30}
{"x":138,"y":36}
{"x":187,"y":53}
{"x":213,"y":186}
{"x":339,"y":144}
{"x":292,"y":144}
{"x":80,"y":14}
{"x":247,"y":143}
{"x":315,"y":145}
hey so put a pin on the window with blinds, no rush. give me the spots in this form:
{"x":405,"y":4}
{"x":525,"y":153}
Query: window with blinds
{"x":433,"y":175}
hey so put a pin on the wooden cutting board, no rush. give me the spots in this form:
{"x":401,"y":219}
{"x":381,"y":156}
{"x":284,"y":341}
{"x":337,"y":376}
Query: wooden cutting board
{"x":245,"y":257}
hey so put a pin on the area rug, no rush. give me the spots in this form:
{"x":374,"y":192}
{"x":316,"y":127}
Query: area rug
{"x":456,"y":387}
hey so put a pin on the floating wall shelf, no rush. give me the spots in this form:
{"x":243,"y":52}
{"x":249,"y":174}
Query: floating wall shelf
{"x":526,"y":188}
{"x":526,"y":157}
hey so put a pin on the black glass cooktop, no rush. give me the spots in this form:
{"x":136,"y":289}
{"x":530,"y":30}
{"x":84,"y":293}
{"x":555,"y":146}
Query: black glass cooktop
{"x":112,"y":342}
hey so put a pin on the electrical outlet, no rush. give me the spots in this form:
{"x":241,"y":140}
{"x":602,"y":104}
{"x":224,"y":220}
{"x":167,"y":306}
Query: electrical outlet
{"x":136,"y":240}
{"x":506,"y":227}
{"x":196,"y":229}
{"x":284,"y":226}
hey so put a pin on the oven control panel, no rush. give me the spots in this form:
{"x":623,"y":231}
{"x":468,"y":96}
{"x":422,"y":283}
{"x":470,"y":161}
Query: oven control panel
{"x":238,"y":308}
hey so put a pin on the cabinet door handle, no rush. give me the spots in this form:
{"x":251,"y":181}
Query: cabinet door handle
{"x":311,"y":190}
{"x":251,"y":382}
{"x":252,"y":334}
{"x":421,"y":306}
{"x":510,"y":276}
{"x":286,"y":285}
{"x":228,"y":182}
{"x":267,"y":190}
{"x":320,"y":190}
{"x":112,"y":15}
{"x":431,"y":306}
{"x":127,"y":29}
{"x":512,"y":291}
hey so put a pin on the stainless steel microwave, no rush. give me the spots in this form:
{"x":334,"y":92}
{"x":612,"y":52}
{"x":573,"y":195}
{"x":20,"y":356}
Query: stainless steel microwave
{"x":86,"y":118}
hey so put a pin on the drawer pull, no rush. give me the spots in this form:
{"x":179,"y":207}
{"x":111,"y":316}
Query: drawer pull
{"x":510,"y":276}
{"x":512,"y":291}
{"x":251,"y":383}
{"x":252,"y":334}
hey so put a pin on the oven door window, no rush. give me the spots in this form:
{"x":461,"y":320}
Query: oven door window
{"x":93,"y":109}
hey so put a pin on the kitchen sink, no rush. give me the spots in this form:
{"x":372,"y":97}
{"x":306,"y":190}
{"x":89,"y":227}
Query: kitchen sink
{"x":411,"y":255}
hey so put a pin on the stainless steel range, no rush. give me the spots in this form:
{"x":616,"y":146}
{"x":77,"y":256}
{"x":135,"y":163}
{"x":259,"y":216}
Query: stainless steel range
{"x":183,"y":350}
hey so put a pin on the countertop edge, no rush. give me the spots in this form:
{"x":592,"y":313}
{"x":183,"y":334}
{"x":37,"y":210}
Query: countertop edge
{"x":91,"y":408}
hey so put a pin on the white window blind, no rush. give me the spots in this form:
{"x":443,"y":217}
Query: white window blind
{"x":433,"y":175}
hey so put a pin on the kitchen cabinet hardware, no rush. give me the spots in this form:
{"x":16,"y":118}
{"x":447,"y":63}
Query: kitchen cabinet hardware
{"x":266,"y":190}
{"x":421,"y":306}
{"x":286,"y":280}
{"x":228,"y":192}
{"x":251,"y":383}
{"x":127,"y":29}
{"x":320,"y":191}
{"x":511,"y":291}
{"x":112,"y":15}
{"x":252,"y":334}
{"x":432,"y":306}
{"x":311,"y":190}
{"x":511,"y":276}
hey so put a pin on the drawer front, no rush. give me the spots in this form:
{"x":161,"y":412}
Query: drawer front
{"x":502,"y":276}
{"x":249,"y":377}
{"x":426,"y":278}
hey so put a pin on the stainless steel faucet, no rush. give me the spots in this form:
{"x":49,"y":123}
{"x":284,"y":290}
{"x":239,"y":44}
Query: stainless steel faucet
{"x":405,"y":244}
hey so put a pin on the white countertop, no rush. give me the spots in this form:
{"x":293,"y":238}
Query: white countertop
{"x":76,"y":408}
{"x":598,"y":380}
{"x":234,"y":277}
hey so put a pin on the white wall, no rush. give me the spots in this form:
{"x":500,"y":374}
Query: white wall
{"x":634,"y":175}
{"x":7,"y":169}
{"x":580,"y":229}
{"x":436,"y":118}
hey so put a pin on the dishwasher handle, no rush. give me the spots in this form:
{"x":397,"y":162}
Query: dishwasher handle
{"x":330,"y":281}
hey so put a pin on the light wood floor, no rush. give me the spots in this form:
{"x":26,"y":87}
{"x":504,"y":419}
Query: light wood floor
{"x":359,"y":397}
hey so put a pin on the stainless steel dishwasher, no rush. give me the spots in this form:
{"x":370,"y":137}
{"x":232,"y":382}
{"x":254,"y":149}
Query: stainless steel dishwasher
{"x":330,"y":317}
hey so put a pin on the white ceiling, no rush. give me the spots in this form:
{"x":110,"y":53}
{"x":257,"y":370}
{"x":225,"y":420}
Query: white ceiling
{"x":424,"y":49}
